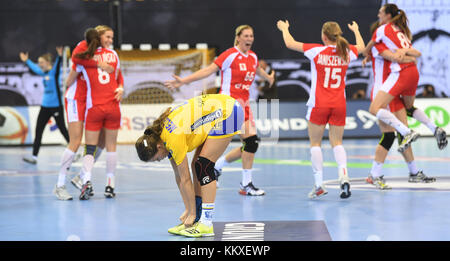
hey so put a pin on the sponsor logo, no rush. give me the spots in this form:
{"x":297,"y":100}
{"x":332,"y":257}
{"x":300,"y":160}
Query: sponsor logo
{"x":207,"y":119}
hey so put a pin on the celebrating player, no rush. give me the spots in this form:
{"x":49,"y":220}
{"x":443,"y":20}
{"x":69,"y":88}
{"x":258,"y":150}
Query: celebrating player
{"x":327,"y":104}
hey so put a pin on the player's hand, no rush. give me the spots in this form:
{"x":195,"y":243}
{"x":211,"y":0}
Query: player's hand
{"x":105,"y":67}
{"x":282,"y":25}
{"x":272,"y":78}
{"x":118,"y":94}
{"x":189,"y":221}
{"x":174,"y":84}
{"x":353,"y":27}
{"x":365,"y":61}
{"x":183,"y":216}
{"x":59,"y":50}
{"x":23,"y":56}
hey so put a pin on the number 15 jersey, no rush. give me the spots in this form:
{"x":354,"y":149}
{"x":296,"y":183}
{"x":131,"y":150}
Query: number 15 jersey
{"x":327,"y":75}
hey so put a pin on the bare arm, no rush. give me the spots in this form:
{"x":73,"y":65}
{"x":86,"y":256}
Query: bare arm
{"x":289,"y":41}
{"x":268,"y":77}
{"x":368,"y":48}
{"x":359,"y":40}
{"x":198,"y":75}
{"x":397,"y":57}
{"x":71,"y":77}
{"x":184,"y":182}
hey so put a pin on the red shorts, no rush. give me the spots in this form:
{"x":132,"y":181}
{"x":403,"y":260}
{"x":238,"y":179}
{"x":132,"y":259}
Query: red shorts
{"x":322,"y":116}
{"x":248,"y":114}
{"x":103,"y":116}
{"x":402,"y":83}
{"x":395,"y":105}
{"x":75,"y":109}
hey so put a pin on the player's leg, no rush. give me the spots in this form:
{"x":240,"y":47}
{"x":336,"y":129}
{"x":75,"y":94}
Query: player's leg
{"x":212,"y":149}
{"x":315,"y":133}
{"x":336,"y":134}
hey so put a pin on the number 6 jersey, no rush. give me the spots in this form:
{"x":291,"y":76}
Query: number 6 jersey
{"x":327,"y":75}
{"x":100,"y":84}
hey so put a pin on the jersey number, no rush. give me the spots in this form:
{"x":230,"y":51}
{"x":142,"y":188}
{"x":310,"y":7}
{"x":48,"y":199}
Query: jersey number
{"x":249,"y":76}
{"x":334,"y":75}
{"x":404,"y":42}
{"x":103,"y":77}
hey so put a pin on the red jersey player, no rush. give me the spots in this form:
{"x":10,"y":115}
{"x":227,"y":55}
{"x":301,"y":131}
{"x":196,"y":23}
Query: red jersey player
{"x":238,"y":66}
{"x":103,"y":111}
{"x":403,"y":78}
{"x":327,"y":103}
{"x":75,"y":105}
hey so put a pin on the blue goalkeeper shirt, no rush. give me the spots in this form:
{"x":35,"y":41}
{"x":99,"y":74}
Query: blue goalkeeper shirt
{"x":52,"y":92}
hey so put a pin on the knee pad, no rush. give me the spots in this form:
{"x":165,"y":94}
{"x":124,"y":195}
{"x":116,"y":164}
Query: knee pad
{"x":387,"y":140}
{"x":410,"y":111}
{"x":251,"y":144}
{"x":90,"y":150}
{"x":204,"y":169}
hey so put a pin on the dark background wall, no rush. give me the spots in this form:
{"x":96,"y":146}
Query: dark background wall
{"x":38,"y":26}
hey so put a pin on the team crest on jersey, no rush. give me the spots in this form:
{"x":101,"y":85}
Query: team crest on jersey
{"x":243,"y":67}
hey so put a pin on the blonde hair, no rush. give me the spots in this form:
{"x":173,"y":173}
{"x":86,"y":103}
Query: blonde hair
{"x":239,"y":30}
{"x":333,"y":32}
{"x":101,"y":29}
{"x":146,"y":144}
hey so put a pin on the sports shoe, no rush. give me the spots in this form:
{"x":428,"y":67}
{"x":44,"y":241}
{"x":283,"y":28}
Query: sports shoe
{"x":78,"y":183}
{"x":419,"y":177}
{"x":30,"y":159}
{"x":176,"y":229}
{"x":109,"y":192}
{"x":369,"y":179}
{"x":407,"y":140}
{"x":441,"y":138}
{"x":380,"y":183}
{"x":251,"y":190}
{"x":217,"y":173}
{"x":345,"y":190}
{"x":61,"y":193}
{"x":85,"y":191}
{"x":198,"y":230}
{"x":317,"y":192}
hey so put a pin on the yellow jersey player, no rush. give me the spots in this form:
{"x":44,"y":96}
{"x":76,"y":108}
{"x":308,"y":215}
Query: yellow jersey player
{"x":207,"y":124}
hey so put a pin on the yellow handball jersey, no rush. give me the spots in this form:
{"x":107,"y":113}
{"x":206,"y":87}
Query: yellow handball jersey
{"x":189,"y":124}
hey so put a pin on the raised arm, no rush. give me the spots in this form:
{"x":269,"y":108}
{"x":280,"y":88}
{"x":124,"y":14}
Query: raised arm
{"x":198,"y":75}
{"x":34,"y":67}
{"x":289,"y":41}
{"x":359,"y":40}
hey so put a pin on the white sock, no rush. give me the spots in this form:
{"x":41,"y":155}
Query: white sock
{"x":412,"y":167}
{"x":419,"y":115}
{"x":88,"y":164}
{"x":221,"y":162}
{"x":111,"y":162}
{"x":340,"y":156}
{"x":376,"y":169}
{"x":317,"y":165}
{"x":390,"y":119}
{"x":66,"y":162}
{"x":246,"y":176}
{"x":98,"y":152}
{"x":207,"y":214}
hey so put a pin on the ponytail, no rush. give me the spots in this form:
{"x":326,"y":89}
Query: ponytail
{"x":398,"y":18}
{"x":333,"y":32}
{"x":146,"y":144}
{"x":93,"y":40}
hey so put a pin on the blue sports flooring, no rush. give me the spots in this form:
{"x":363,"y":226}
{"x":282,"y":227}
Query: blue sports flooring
{"x":148,"y":202}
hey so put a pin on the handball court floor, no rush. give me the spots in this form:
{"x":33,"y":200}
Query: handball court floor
{"x":147,"y":200}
